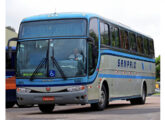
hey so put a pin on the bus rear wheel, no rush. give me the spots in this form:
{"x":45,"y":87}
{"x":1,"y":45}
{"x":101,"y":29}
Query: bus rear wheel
{"x":46,"y":108}
{"x":102,"y":102}
{"x":140,"y":100}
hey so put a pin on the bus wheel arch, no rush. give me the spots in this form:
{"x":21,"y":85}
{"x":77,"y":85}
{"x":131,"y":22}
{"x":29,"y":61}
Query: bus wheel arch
{"x":103,"y":99}
{"x":142,"y":98}
{"x":105,"y":83}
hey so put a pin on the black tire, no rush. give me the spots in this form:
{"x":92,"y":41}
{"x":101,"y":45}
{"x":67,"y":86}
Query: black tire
{"x":46,"y":108}
{"x":103,"y":102}
{"x":140,"y":100}
{"x":10,"y":104}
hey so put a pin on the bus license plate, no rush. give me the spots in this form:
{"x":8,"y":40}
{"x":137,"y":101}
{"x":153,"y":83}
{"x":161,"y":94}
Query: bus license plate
{"x":48,"y":98}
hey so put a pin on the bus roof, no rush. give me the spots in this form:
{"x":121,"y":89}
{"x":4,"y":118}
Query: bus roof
{"x":59,"y":16}
{"x":70,"y":15}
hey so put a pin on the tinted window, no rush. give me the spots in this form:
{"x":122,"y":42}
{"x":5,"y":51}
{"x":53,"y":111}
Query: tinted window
{"x":140,"y":44}
{"x":146,"y":45}
{"x":93,"y":30}
{"x":104,"y":31}
{"x":124,"y":39}
{"x":92,"y":50}
{"x":114,"y":36}
{"x":151,"y":48}
{"x":132,"y":39}
{"x":117,"y":37}
{"x":72,"y":27}
{"x":121,"y":38}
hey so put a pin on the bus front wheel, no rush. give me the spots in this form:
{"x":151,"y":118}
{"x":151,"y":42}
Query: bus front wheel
{"x":46,"y":108}
{"x":102,"y":102}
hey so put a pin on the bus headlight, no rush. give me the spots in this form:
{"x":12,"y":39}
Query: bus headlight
{"x":23,"y":90}
{"x":75,"y":88}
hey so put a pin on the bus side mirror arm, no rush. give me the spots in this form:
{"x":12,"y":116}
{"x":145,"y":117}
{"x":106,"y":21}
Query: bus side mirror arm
{"x":9,"y":48}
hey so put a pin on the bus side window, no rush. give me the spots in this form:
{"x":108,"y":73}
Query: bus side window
{"x":146,"y":52}
{"x":104,"y":31}
{"x":117,"y":37}
{"x":93,"y":50}
{"x":132,"y":42}
{"x":140,"y":44}
{"x":112,"y":36}
{"x":124,"y":39}
{"x":151,"y":48}
{"x":93,"y":30}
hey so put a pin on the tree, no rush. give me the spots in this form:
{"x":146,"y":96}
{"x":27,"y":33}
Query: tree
{"x":10,"y":28}
{"x":158,"y":68}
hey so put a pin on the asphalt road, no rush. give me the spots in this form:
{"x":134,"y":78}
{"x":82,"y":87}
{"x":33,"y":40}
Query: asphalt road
{"x":117,"y":110}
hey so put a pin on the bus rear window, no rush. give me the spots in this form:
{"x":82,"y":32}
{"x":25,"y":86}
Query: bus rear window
{"x":68,"y":27}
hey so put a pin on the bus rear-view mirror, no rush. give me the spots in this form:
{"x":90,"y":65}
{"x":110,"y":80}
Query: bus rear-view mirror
{"x":9,"y":48}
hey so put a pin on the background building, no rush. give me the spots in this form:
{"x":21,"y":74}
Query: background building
{"x":10,"y":33}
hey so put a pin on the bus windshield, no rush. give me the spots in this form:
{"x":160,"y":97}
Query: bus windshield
{"x":53,"y":28}
{"x":69,"y":54}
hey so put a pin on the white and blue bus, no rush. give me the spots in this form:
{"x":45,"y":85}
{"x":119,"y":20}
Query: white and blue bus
{"x":80,"y":58}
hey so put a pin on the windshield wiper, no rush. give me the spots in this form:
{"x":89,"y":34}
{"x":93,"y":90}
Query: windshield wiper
{"x":58,"y":67}
{"x":43,"y":61}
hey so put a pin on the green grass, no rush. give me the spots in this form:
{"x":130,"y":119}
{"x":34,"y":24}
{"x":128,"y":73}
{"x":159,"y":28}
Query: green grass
{"x":157,"y":93}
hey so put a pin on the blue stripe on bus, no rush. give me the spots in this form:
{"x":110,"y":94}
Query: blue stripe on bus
{"x":27,"y":83}
{"x":125,"y":76}
{"x":54,"y":82}
{"x":116,"y":53}
{"x":49,"y":85}
{"x":9,"y":76}
{"x":59,"y":16}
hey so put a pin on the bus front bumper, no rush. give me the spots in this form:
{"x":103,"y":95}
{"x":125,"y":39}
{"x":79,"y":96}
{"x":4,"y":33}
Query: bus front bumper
{"x":77,"y":97}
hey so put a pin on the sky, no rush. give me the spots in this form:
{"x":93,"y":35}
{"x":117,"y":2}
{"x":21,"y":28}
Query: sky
{"x":140,"y":15}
